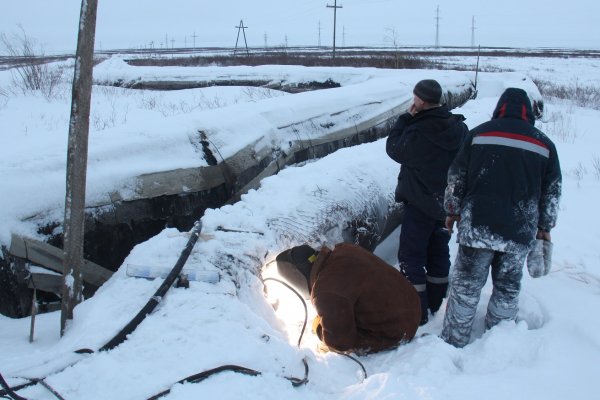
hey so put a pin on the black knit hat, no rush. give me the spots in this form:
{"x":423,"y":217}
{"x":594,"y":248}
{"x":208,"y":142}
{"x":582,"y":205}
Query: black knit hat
{"x":428,"y":90}
{"x":295,"y":266}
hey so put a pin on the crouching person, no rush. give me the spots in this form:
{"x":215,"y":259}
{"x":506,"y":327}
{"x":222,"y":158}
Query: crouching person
{"x":363,"y":304}
{"x":503,"y":190}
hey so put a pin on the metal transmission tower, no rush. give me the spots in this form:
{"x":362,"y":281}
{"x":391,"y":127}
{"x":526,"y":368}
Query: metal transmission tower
{"x":242,"y":28}
{"x":335,"y":7}
{"x":437,"y":26}
{"x":473,"y":32}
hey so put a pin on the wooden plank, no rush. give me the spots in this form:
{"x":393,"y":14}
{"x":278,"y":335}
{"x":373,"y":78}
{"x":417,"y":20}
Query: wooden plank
{"x":177,"y":181}
{"x":46,"y":282}
{"x":18,"y":247}
{"x":51,"y":257}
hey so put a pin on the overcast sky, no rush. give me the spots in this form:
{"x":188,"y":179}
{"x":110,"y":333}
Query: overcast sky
{"x":137,"y":23}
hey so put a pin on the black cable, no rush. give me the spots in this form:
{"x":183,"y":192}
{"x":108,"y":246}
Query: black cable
{"x":121,"y":336}
{"x":302,"y":333}
{"x":8,"y":391}
{"x":243,"y":370}
{"x":16,"y":388}
{"x":35,"y":381}
{"x":356,"y":361}
{"x":205,"y":374}
{"x":50,"y":389}
{"x":297,"y":381}
{"x":160,"y":292}
{"x":301,"y":299}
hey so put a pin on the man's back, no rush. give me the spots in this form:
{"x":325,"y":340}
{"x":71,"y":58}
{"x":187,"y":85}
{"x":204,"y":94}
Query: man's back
{"x":507,"y":172}
{"x":363,"y":301}
{"x":425,"y":145}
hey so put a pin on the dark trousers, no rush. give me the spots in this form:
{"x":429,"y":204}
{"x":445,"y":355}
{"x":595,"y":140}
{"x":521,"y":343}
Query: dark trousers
{"x":424,"y":257}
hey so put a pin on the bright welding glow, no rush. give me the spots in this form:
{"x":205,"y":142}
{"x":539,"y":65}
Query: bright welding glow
{"x":289,"y":309}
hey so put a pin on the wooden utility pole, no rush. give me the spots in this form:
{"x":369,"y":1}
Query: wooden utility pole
{"x":335,"y":7}
{"x":72,"y":292}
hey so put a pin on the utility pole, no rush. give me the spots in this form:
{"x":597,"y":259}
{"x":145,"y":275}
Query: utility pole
{"x":172,"y":43}
{"x":166,"y":42}
{"x":343,"y":35}
{"x":319,"y":33}
{"x":243,"y":29}
{"x":437,"y":27}
{"x":194,"y":37}
{"x":473,"y":33}
{"x":335,"y":7}
{"x":77,"y":154}
{"x":266,"y":46}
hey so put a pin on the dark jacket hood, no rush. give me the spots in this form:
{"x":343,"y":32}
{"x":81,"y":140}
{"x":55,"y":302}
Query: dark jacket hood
{"x":514,"y":103}
{"x":442,"y":127}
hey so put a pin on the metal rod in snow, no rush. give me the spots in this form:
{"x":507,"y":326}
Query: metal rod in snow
{"x":77,"y":163}
{"x":477,"y":67}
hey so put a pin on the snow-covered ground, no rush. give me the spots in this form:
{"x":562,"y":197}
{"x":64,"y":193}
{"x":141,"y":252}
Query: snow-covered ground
{"x":551,"y":352}
{"x":134,"y":132}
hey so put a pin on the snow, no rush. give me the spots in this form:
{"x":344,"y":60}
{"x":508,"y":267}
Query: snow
{"x":551,"y":352}
{"x":149,"y":125}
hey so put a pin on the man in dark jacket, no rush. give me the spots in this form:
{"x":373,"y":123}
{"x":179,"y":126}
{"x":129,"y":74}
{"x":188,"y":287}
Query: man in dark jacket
{"x":503,"y":190}
{"x":364,"y":304}
{"x":424,"y":141}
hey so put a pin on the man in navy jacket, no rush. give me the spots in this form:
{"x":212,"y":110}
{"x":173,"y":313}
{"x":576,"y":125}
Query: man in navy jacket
{"x":425,"y":140}
{"x":503,"y":190}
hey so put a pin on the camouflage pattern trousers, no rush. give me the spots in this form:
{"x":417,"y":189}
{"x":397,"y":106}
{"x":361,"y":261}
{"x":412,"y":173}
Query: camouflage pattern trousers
{"x":466,"y":281}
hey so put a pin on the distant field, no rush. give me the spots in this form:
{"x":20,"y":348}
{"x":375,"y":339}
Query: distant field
{"x":376,"y":57}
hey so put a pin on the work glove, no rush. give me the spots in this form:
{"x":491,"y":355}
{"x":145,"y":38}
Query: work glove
{"x":539,"y":259}
{"x":322,"y":348}
{"x":317,"y":329}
